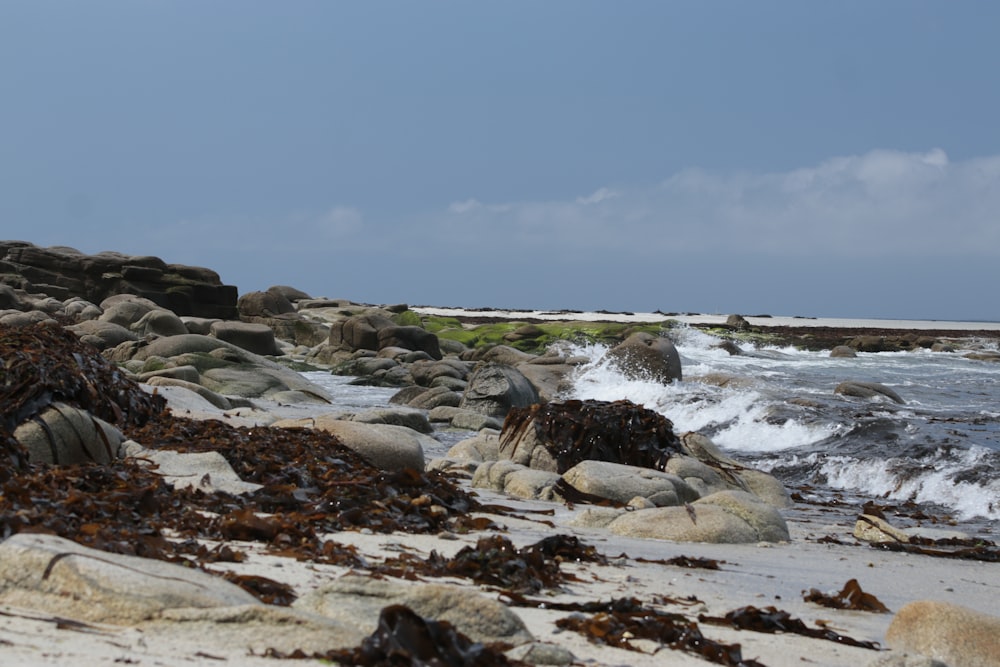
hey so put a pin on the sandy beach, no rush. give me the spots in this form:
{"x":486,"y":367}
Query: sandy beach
{"x":822,"y":554}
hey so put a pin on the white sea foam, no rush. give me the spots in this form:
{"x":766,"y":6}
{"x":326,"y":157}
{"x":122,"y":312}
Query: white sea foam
{"x":737,"y":417}
{"x":934,"y":483}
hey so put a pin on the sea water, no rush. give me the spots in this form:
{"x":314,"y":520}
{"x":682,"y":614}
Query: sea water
{"x":779,"y":413}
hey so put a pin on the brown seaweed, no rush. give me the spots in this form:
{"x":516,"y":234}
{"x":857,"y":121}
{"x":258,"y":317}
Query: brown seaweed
{"x":495,"y":561}
{"x":618,"y":628}
{"x":850,"y":597}
{"x":403,"y":638}
{"x":575,"y":431}
{"x":771,"y":620}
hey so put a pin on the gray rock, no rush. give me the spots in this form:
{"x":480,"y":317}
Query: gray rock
{"x":410,"y":338}
{"x":126,"y":309}
{"x":540,"y":653}
{"x":102,"y":335}
{"x":515,"y":480}
{"x":213,"y":399}
{"x":648,"y":357}
{"x":494,"y":389}
{"x":199,"y":325}
{"x":358,"y":599}
{"x":385,"y":446}
{"x":66,"y":435}
{"x":726,"y":517}
{"x":481,"y":447}
{"x":845,"y":351}
{"x":159,"y":322}
{"x":256,"y":338}
{"x":435,"y":397}
{"x":186,"y":373}
{"x":506,"y":355}
{"x":59,"y":576}
{"x":203,"y":471}
{"x":621,"y":483}
{"x":867,"y":390}
{"x":549,"y":380}
{"x":955,"y":635}
{"x":408,"y":417}
{"x":264,"y":304}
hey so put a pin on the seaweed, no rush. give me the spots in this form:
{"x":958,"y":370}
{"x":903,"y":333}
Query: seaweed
{"x":850,"y":597}
{"x":403,"y":638}
{"x":617,"y":628}
{"x":771,"y":620}
{"x":575,"y":431}
{"x":495,"y":561}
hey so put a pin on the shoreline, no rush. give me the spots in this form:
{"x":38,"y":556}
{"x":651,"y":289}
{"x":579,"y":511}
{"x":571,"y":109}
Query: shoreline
{"x":757,"y":321}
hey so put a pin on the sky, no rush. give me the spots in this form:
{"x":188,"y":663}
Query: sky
{"x":787,"y":158}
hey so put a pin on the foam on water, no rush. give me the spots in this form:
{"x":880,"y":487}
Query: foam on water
{"x":937,"y":484}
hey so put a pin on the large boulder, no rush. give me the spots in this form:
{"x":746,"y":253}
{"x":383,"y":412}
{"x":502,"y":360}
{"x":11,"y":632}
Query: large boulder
{"x":66,"y":435}
{"x":647,"y":357}
{"x":57,"y":575}
{"x":409,"y":338}
{"x":359,"y":332}
{"x":493,"y":389}
{"x":557,"y":436}
{"x":957,"y":636}
{"x":621,"y":483}
{"x":726,"y":517}
{"x":256,"y":338}
{"x":386,"y":446}
{"x":869,"y":390}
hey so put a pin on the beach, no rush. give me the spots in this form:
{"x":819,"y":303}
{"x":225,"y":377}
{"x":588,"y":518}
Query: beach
{"x":290,"y":576}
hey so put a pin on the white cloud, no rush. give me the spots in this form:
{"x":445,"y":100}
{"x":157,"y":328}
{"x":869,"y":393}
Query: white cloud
{"x":883,"y":203}
{"x":340,"y":221}
{"x":597,"y":196}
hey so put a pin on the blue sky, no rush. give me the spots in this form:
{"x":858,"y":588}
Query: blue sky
{"x":792,"y":158}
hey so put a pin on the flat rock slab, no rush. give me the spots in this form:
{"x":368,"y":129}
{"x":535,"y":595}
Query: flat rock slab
{"x":60,"y":576}
{"x":205,"y":471}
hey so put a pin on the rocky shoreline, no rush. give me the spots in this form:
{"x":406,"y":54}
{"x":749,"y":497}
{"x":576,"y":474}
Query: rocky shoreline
{"x":263,"y":522}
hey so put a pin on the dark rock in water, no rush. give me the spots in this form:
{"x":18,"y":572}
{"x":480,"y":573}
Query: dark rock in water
{"x":575,"y":431}
{"x":647,"y":357}
{"x":867,"y":390}
{"x":62,"y":273}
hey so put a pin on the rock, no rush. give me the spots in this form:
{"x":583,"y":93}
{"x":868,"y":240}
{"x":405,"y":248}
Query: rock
{"x":515,"y":480}
{"x":359,"y":332}
{"x":264,"y":304}
{"x":62,"y":577}
{"x":506,"y":355}
{"x":867,"y":390}
{"x":558,"y":435}
{"x":159,"y":322}
{"x":843,"y":351}
{"x":102,"y":335}
{"x":410,"y":418}
{"x":957,"y":636}
{"x":494,"y":389}
{"x":435,"y":397}
{"x":621,"y":483}
{"x":549,"y":380}
{"x":165,"y":386}
{"x":647,"y":357}
{"x":126,"y":309}
{"x":726,"y":517}
{"x":481,"y":447}
{"x":203,"y":471}
{"x":186,"y":373}
{"x":540,"y":653}
{"x":256,"y":338}
{"x":358,"y":599}
{"x":737,"y":322}
{"x":385,"y":446}
{"x":65,"y":435}
{"x":409,"y":338}
{"x":63,"y":273}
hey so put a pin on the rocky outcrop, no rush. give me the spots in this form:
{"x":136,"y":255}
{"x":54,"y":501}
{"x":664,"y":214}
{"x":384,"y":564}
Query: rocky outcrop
{"x":869,"y":390}
{"x":647,"y":357}
{"x":60,"y":272}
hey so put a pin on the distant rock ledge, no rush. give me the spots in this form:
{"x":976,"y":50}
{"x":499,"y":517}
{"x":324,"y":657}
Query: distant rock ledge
{"x":62,"y":272}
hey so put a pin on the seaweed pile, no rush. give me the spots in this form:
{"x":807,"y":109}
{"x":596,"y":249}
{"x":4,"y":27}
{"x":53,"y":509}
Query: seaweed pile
{"x":495,"y":561}
{"x":579,"y":430}
{"x":44,"y":363}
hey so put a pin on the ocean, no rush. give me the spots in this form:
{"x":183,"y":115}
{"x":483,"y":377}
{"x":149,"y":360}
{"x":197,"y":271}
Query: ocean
{"x":938,"y":452}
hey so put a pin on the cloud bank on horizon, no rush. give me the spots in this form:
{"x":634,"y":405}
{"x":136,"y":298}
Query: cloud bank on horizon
{"x":780,"y":157}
